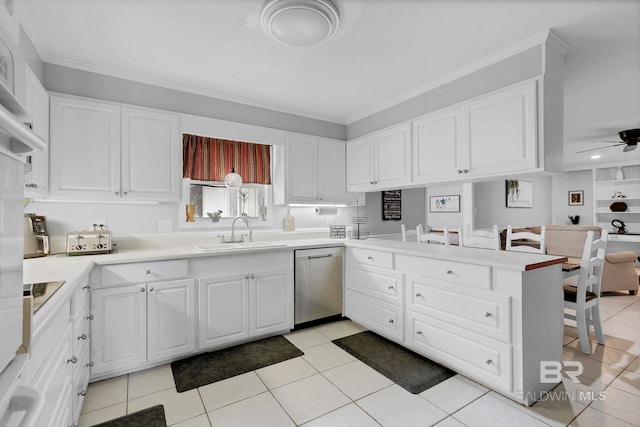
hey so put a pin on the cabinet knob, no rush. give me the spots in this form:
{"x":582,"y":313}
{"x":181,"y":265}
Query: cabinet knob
{"x":488,"y":361}
{"x":390,"y":287}
{"x":124,"y":193}
{"x":459,"y":171}
{"x":449,"y":271}
{"x":151,"y":289}
{"x":487,"y":314}
{"x":74,"y":425}
{"x":147,"y":272}
{"x":391,"y":321}
{"x":31,"y":186}
{"x":117,"y":193}
{"x":87,"y":286}
{"x":82,"y":393}
{"x":142,"y":289}
{"x":253,"y":276}
{"x":90,"y":364}
{"x":371,"y":182}
{"x":74,"y":359}
{"x":465,"y":170}
{"x":82,"y":337}
{"x":370,"y":258}
{"x":90,"y":317}
{"x":246,"y":276}
{"x":418,"y":295}
{"x":418,"y":332}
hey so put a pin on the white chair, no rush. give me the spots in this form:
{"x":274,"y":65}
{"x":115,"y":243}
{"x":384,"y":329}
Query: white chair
{"x":445,"y":238}
{"x":583,"y":296}
{"x":525,"y":246}
{"x":482,"y":239}
{"x":407,"y":233}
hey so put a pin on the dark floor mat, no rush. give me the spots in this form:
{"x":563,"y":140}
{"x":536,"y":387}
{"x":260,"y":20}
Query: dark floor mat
{"x":150,"y":417}
{"x":208,"y":368}
{"x":404,"y":367}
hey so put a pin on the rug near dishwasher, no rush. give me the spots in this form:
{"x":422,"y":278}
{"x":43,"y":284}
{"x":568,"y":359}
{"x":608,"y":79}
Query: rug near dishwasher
{"x":207,"y":368}
{"x":409,"y":370}
{"x":149,"y":417}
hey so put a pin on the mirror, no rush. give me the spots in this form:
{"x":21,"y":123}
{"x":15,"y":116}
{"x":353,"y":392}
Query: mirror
{"x":213,"y":201}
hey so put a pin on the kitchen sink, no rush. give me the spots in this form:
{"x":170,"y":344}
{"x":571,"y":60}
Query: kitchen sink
{"x":240,"y":245}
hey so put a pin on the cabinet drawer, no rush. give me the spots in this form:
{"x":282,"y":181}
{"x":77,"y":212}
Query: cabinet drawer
{"x":377,"y":283}
{"x":477,"y":356}
{"x":379,"y":316}
{"x":370,"y":257}
{"x":481,"y":312}
{"x":143,"y":272}
{"x":475,"y":276}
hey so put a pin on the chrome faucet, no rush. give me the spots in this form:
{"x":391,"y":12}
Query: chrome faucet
{"x":233,"y":229}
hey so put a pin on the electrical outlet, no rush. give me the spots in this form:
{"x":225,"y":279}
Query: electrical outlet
{"x":165,"y":225}
{"x":97,"y":223}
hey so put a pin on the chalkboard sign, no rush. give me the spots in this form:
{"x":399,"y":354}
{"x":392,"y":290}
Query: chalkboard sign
{"x":392,"y":205}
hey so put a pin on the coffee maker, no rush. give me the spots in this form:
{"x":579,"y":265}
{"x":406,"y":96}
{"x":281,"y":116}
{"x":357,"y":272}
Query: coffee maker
{"x":36,"y":240}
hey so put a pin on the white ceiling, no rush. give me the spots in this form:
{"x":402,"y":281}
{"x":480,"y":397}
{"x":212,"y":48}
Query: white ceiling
{"x":382,"y":52}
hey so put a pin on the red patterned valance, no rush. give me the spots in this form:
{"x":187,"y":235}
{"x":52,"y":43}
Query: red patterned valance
{"x":210,"y":159}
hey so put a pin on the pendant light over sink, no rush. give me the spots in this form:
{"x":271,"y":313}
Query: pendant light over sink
{"x":232,"y":179}
{"x":300,"y":22}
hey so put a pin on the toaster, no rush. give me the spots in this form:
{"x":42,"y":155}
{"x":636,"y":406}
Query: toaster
{"x":89,"y":242}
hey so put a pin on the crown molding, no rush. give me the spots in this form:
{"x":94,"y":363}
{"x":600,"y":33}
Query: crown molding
{"x":535,"y":40}
{"x":197,"y":90}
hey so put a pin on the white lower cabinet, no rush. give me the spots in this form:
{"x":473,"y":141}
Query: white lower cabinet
{"x":244,"y":305}
{"x":136,"y":323}
{"x":377,"y":315}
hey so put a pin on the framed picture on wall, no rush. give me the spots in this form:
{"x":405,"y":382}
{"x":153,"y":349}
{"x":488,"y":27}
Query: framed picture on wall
{"x":576,"y":198}
{"x":519,"y":194}
{"x":447,"y":203}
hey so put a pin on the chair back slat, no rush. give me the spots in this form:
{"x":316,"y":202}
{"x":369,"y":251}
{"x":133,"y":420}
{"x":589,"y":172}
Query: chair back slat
{"x":538,"y":239}
{"x":445,"y":238}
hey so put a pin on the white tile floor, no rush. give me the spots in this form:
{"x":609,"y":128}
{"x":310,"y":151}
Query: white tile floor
{"x":328,"y":387}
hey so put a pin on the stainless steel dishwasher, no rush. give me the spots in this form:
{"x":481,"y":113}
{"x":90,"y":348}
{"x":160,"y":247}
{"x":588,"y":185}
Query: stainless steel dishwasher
{"x":318,"y":284}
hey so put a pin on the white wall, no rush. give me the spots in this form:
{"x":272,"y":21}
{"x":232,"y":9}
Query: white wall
{"x":413,"y":203}
{"x":572,"y":181}
{"x":490,"y":206}
{"x":444,"y":219}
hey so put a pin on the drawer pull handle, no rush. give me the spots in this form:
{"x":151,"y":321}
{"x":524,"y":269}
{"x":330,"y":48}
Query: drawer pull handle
{"x":142,"y":289}
{"x":390,"y":320}
{"x":86,"y":286}
{"x":90,"y":364}
{"x":449,"y":271}
{"x":253,"y":276}
{"x":90,"y":317}
{"x":246,"y":276}
{"x":82,"y":337}
{"x":418,"y":295}
{"x":391,"y":287}
{"x":147,"y":272}
{"x":488,"y":361}
{"x":74,"y":359}
{"x":419,"y":332}
{"x":151,"y":289}
{"x":82,"y":393}
{"x":487,"y":314}
{"x":370,"y":258}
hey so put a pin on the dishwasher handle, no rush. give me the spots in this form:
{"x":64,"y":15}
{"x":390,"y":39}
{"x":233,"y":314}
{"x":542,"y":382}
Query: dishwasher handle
{"x":319,"y":256}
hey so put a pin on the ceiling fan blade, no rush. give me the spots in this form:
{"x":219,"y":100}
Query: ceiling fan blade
{"x":600,"y":148}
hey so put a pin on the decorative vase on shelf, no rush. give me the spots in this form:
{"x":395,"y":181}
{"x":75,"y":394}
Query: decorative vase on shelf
{"x":191,"y":210}
{"x":619,"y":174}
{"x":289,"y":222}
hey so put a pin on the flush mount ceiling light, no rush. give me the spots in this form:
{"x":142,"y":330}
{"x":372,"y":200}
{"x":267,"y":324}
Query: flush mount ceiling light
{"x":300,"y":22}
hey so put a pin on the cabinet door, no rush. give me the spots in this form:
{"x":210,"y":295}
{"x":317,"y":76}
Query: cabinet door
{"x":393,"y":156}
{"x":38,"y":109}
{"x":223,"y":310}
{"x":331,"y":172}
{"x":151,"y":150}
{"x":436,"y":146}
{"x":271,"y":299}
{"x":360,"y":164}
{"x":171,"y":319}
{"x":502,"y":131}
{"x":118,"y":328}
{"x":84,"y":149}
{"x":302,"y":171}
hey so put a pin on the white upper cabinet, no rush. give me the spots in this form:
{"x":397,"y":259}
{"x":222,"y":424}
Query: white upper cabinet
{"x":381,"y":160}
{"x":102,"y":150}
{"x":438,"y":145}
{"x":316,"y":171}
{"x":502,"y":131}
{"x":150,"y":155}
{"x":37,"y":181}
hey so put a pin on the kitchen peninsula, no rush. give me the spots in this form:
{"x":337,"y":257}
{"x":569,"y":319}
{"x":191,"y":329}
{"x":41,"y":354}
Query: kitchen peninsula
{"x":492,"y":316}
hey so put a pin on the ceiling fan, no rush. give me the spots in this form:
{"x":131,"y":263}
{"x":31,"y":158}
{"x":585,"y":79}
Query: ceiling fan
{"x":628,"y":138}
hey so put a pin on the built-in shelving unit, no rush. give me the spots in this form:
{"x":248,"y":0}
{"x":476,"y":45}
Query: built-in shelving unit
{"x":605,"y":187}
